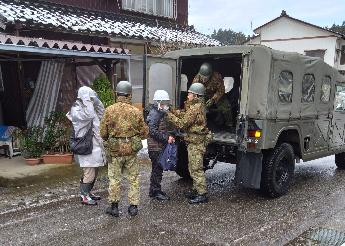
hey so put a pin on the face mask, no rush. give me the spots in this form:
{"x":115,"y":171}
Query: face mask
{"x":163,"y":108}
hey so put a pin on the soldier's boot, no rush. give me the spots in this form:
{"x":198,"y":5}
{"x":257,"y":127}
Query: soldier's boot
{"x":93,"y":196}
{"x":200,"y":198}
{"x":84,"y":194}
{"x":133,"y":210}
{"x":160,"y":196}
{"x":113,"y":209}
{"x":191,"y":194}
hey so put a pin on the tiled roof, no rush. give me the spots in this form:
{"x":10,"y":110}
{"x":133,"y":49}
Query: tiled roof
{"x":59,"y":17}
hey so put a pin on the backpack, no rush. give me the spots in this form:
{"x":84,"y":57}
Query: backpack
{"x":168,"y":158}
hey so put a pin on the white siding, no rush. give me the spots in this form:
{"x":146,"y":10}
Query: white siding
{"x":285,"y":28}
{"x":301,"y":45}
{"x":290,"y":35}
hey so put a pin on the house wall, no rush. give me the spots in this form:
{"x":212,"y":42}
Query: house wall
{"x":115,"y":6}
{"x":289,"y":35}
{"x":300,"y":46}
{"x":285,"y":28}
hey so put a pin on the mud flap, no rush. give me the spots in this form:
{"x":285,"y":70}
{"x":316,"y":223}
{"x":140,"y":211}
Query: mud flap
{"x":248,"y":170}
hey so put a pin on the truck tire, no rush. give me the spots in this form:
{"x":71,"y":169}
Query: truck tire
{"x":278,"y":166}
{"x":340,"y":160}
{"x":182,"y":161}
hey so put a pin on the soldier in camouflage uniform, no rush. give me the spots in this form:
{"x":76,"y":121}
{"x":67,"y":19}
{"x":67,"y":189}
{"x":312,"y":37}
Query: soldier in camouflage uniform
{"x":123,"y":128}
{"x":215,"y":93}
{"x":193,"y":122}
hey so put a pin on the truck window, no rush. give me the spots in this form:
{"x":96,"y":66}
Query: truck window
{"x":160,"y":77}
{"x":325,"y":89}
{"x":285,"y":81}
{"x":308,"y":88}
{"x":339,"y":101}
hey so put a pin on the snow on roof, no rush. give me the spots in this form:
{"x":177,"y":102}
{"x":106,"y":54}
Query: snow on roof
{"x":76,"y":20}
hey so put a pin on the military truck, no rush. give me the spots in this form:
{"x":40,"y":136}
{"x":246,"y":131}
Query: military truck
{"x":286,"y":107}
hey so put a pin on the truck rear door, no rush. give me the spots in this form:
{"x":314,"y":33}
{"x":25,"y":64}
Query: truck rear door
{"x":161,"y":74}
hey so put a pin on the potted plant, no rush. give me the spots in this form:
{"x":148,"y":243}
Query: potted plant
{"x":57,"y":131}
{"x":31,"y":144}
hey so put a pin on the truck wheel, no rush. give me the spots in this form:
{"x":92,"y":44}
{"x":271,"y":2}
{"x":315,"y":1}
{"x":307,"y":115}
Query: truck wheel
{"x":182,"y":161}
{"x":278,"y":167}
{"x":340,"y":160}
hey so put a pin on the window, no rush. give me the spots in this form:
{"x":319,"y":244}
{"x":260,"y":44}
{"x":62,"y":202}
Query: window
{"x":155,"y":7}
{"x":315,"y":53}
{"x":339,"y":100}
{"x":285,"y":86}
{"x":342,"y":55}
{"x":160,"y":78}
{"x":325,"y":89}
{"x":308,"y":88}
{"x":228,"y":84}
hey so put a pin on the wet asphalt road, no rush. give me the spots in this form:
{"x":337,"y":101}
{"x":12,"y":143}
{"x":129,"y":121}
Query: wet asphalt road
{"x":233,"y":216}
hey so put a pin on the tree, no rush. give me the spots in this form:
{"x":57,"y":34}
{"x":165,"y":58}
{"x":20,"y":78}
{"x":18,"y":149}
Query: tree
{"x":229,"y":37}
{"x":337,"y":28}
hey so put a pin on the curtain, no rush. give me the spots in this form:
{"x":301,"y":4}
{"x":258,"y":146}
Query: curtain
{"x":46,"y":92}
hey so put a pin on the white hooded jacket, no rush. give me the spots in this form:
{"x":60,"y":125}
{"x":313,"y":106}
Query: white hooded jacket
{"x":88,"y":108}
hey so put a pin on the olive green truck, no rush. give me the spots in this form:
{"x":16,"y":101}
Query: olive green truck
{"x":286,"y":107}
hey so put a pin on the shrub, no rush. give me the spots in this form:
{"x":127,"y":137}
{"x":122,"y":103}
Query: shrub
{"x":102,"y":86}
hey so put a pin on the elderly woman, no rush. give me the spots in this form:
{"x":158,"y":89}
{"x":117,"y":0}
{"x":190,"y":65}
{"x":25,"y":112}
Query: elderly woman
{"x":87,"y":112}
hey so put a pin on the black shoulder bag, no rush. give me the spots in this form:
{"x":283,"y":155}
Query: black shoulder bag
{"x":82,"y":145}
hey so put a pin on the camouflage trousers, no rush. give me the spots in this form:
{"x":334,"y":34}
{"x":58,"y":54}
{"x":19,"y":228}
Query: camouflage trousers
{"x":129,"y":166}
{"x":196,"y":166}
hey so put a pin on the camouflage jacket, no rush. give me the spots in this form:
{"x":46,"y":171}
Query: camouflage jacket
{"x":192,"y":120}
{"x":123,"y":128}
{"x":214,"y":86}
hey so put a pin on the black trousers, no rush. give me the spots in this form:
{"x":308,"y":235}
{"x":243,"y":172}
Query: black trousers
{"x":156,"y":173}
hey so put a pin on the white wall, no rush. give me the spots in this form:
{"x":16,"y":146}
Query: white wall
{"x":285,"y":28}
{"x":301,"y":45}
{"x":289,"y":35}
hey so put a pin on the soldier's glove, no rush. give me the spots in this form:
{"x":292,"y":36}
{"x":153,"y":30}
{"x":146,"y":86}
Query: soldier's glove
{"x":209,"y":103}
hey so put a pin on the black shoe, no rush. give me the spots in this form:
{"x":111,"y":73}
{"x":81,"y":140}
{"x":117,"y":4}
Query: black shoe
{"x":160,"y":196}
{"x":94,"y":197}
{"x":113,"y":209}
{"x":191,"y":194}
{"x":199,"y":199}
{"x":133,"y":210}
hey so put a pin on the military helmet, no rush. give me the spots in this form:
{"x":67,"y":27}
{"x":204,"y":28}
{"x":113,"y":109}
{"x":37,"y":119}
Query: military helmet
{"x":197,"y":88}
{"x":161,"y":95}
{"x":124,"y":87}
{"x":205,"y":69}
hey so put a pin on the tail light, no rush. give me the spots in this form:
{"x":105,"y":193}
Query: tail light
{"x":254,"y":133}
